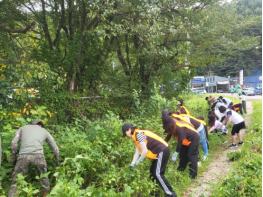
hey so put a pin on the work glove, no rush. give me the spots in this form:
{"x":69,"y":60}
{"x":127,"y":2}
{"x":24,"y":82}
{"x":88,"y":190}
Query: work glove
{"x":174,"y":156}
{"x":132,"y":166}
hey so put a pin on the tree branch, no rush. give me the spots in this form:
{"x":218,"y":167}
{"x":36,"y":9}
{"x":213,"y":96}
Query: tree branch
{"x":121,"y":58}
{"x":45,"y":25}
{"x":21,"y":30}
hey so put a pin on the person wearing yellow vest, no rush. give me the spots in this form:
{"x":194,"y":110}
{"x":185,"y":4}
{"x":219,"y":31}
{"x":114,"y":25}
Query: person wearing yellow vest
{"x":198,"y":125}
{"x":187,"y":142}
{"x":149,"y":145}
{"x":181,"y":108}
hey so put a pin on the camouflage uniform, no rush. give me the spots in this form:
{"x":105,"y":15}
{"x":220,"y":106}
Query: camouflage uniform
{"x":22,"y":165}
{"x":32,"y":138}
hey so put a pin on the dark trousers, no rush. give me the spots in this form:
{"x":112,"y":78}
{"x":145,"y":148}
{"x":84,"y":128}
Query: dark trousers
{"x":189,"y":154}
{"x":157,"y":171}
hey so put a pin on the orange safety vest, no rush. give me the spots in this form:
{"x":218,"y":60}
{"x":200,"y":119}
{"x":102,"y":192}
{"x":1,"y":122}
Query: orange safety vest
{"x":150,"y":154}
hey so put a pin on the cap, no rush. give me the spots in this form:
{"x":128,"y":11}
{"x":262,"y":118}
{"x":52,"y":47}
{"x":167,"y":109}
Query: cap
{"x":37,"y":122}
{"x":126,"y":127}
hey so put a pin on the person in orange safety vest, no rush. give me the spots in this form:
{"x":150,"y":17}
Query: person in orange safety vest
{"x":149,"y":145}
{"x":187,"y":142}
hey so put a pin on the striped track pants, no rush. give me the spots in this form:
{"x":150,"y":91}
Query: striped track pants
{"x":157,"y":171}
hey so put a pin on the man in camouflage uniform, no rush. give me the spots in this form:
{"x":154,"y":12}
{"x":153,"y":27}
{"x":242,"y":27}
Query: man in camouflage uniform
{"x":32,"y":138}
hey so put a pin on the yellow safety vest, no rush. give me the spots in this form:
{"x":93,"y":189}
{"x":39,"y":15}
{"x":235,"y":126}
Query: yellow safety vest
{"x":186,"y":110}
{"x":150,"y":154}
{"x":198,"y":120}
{"x":184,"y":122}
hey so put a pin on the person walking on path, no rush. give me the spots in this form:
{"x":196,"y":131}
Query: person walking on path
{"x":187,"y":142}
{"x":242,"y":97}
{"x":238,"y":124}
{"x":147,"y":144}
{"x":31,"y":138}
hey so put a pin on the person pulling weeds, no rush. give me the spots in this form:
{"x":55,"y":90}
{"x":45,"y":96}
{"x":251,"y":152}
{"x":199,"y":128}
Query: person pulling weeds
{"x":149,"y":145}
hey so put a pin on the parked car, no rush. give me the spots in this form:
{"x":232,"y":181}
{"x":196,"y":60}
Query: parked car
{"x":249,"y":91}
{"x":258,"y":91}
{"x":199,"y":90}
{"x":220,"y":91}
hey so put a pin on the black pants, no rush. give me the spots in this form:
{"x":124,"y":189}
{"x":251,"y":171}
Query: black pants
{"x":189,"y":154}
{"x":157,"y":171}
{"x":237,"y":127}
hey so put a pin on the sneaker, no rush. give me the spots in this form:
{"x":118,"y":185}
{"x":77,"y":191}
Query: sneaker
{"x":232,"y":146}
{"x":199,"y":164}
{"x":204,"y":157}
{"x":240,"y":143}
{"x":171,"y":195}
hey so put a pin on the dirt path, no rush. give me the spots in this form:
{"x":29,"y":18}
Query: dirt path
{"x":216,"y":170}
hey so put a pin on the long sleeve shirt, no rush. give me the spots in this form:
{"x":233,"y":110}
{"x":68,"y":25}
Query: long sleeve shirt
{"x":182,"y":134}
{"x":32,"y":138}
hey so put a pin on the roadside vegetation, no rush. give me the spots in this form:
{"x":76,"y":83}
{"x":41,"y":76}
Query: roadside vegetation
{"x":86,"y":67}
{"x":245,"y":178}
{"x":96,"y":157}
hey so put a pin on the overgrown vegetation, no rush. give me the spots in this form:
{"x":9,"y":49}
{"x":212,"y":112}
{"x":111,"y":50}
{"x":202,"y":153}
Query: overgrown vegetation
{"x":245,"y":178}
{"x":86,"y":66}
{"x":96,"y":157}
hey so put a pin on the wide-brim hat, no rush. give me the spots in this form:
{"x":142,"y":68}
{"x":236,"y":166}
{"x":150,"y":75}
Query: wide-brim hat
{"x":211,"y":99}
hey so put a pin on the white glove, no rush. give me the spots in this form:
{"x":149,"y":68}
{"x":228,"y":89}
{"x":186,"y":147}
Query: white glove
{"x":132,"y":165}
{"x":174,"y":156}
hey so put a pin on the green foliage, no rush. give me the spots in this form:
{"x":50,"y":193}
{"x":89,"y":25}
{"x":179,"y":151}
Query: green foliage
{"x":24,"y":188}
{"x":233,"y":156}
{"x":125,"y":45}
{"x":96,"y":157}
{"x":245,"y":178}
{"x":86,"y":61}
{"x":240,"y":38}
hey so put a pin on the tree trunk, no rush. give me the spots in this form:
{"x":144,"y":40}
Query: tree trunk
{"x":145,"y":80}
{"x":72,"y":79}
